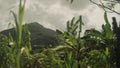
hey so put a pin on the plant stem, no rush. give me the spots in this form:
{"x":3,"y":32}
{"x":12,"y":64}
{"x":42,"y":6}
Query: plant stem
{"x":18,"y":60}
{"x":78,"y":56}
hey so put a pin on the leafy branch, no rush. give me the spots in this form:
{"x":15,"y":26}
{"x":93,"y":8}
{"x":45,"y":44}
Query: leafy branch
{"x":105,"y":8}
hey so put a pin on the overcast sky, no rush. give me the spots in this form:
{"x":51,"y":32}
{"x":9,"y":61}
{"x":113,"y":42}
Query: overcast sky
{"x":54,"y":13}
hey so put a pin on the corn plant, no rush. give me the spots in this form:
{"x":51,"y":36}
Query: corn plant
{"x":20,"y":45}
{"x":18,"y":23}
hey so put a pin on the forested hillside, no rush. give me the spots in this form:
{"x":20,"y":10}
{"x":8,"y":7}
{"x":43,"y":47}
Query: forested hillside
{"x":41,"y":37}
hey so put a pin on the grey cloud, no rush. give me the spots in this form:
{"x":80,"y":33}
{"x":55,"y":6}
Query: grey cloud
{"x":57,"y":21}
{"x":76,"y":5}
{"x":48,"y":2}
{"x":38,"y":11}
{"x":45,"y":18}
{"x":5,"y":6}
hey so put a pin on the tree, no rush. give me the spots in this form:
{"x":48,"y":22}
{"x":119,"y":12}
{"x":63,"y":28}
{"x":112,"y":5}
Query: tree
{"x":116,"y":30}
{"x":109,"y":6}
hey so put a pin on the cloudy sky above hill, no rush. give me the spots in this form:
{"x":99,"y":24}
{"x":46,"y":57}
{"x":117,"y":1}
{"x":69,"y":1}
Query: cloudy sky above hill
{"x":54,"y":13}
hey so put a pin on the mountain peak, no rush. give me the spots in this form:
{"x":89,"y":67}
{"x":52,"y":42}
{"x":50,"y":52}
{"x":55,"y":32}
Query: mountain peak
{"x":41,"y":36}
{"x":35,"y":24}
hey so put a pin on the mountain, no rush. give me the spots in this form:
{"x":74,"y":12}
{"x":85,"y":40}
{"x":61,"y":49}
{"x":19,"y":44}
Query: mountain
{"x":40,"y":36}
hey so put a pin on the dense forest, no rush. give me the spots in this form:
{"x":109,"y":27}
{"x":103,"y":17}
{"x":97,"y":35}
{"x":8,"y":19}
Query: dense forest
{"x":26,"y":47}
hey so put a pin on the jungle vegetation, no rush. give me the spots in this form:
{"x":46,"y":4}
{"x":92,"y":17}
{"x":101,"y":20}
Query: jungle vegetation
{"x":95,"y":49}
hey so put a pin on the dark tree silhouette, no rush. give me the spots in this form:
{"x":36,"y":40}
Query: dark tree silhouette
{"x":116,"y":30}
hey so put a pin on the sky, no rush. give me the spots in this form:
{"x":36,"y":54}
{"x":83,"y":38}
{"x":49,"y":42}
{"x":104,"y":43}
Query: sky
{"x":54,"y":14}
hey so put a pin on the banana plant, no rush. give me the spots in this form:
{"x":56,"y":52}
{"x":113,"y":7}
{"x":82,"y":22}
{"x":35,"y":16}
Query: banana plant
{"x":102,"y":40}
{"x":72,"y":37}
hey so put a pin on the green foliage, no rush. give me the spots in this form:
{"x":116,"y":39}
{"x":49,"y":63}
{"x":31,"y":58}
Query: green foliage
{"x":104,"y":41}
{"x":99,"y":45}
{"x":107,"y":28}
{"x":71,"y":38}
{"x":14,"y":49}
{"x":94,"y":50}
{"x":116,"y":31}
